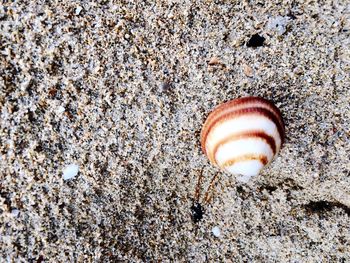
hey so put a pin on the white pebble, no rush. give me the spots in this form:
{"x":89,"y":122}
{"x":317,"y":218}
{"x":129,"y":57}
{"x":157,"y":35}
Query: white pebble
{"x":216,"y":231}
{"x":60,"y":110}
{"x":78,"y":10}
{"x":15,"y":212}
{"x":70,"y":171}
{"x":278,"y":24}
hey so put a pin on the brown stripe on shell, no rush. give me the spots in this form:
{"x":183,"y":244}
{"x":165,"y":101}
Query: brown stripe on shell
{"x":238,"y":113}
{"x":240,"y":102}
{"x":242,"y":135}
{"x":247,"y":157}
{"x":232,"y":105}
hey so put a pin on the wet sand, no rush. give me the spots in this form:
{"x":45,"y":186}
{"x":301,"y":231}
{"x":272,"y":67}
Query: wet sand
{"x":122,"y":90}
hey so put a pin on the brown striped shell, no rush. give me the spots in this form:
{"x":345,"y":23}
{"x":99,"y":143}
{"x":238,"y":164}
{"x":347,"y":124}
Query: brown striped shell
{"x":243,"y":135}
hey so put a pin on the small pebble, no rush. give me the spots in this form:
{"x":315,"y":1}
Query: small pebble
{"x":214,"y":61}
{"x":248,"y":71}
{"x":60,"y":110}
{"x":278,"y":24}
{"x":216,"y":231}
{"x":78,"y":10}
{"x":70,"y":171}
{"x":15,"y":212}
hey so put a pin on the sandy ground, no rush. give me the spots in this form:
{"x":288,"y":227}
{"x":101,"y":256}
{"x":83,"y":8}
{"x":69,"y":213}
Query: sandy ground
{"x":122,"y":90}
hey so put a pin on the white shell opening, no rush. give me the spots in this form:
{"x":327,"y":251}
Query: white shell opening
{"x":245,"y":169}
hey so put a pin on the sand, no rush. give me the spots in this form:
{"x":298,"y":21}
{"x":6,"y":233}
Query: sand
{"x":122,"y":89}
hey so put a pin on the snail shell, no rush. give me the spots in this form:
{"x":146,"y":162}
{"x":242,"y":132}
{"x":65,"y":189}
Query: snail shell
{"x":243,"y":135}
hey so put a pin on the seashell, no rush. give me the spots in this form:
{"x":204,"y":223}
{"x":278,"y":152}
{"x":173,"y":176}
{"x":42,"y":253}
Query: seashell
{"x":243,"y":135}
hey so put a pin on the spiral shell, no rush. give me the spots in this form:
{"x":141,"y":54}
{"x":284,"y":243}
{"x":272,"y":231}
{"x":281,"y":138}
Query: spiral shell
{"x":243,"y":135}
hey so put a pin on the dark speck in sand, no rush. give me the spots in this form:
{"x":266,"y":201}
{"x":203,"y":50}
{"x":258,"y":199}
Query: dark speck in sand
{"x":256,"y":41}
{"x":197,"y":212}
{"x":320,"y":207}
{"x":166,"y":87}
{"x":291,"y":16}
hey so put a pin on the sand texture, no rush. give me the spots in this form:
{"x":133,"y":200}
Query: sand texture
{"x":121,"y":90}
